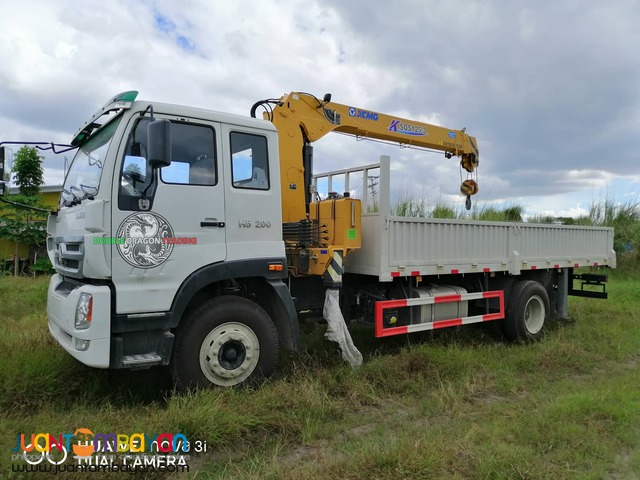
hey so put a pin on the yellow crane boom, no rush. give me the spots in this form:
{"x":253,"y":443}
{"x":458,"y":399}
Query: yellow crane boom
{"x":302,"y":119}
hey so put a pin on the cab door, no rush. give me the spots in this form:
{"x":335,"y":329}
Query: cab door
{"x":170,"y":222}
{"x":253,"y":204}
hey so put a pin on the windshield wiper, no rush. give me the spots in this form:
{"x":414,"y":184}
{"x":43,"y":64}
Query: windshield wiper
{"x":88,"y":195}
{"x":94,"y":161}
{"x":76,"y":199}
{"x":65,"y":201}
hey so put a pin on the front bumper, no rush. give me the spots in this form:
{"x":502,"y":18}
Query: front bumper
{"x":62,"y":302}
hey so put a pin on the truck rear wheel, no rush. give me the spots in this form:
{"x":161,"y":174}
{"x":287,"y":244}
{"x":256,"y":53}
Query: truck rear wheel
{"x":527,"y":312}
{"x":228,"y":341}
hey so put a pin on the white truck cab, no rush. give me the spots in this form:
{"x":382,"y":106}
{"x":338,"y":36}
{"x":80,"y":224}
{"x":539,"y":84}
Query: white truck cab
{"x":133,"y":244}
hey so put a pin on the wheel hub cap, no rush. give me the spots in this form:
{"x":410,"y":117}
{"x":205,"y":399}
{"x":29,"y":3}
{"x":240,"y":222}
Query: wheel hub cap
{"x":229,"y":354}
{"x":534,"y":314}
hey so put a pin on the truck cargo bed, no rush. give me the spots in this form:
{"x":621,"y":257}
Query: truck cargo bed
{"x":407,"y":246}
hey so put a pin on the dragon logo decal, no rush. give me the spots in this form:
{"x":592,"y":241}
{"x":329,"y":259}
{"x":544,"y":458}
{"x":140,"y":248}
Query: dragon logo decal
{"x":144,"y":237}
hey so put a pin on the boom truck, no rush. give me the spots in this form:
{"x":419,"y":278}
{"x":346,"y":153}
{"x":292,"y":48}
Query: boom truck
{"x":193,"y":238}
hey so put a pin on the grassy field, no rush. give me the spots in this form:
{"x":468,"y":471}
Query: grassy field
{"x":458,"y":404}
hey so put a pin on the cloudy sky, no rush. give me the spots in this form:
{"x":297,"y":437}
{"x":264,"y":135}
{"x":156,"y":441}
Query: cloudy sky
{"x":551,"y":89}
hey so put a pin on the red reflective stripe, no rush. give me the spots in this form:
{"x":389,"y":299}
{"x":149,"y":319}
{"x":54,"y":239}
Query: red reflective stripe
{"x":381,"y":331}
{"x":383,"y":305}
{"x":454,"y":271}
{"x":595,"y":264}
{"x":576,"y":265}
{"x":387,"y":332}
{"x":380,"y":306}
{"x":556,"y":266}
{"x":395,"y":274}
{"x":415,"y":274}
{"x":486,"y":270}
{"x":533,"y":267}
{"x":447,"y":298}
{"x":447,"y":323}
{"x":499,"y":294}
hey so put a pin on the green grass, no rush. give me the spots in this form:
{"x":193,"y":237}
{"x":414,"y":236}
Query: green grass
{"x":456,"y":404}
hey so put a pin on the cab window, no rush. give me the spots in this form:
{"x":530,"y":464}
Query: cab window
{"x":192,"y":156}
{"x":249,"y":161}
{"x":135,"y":176}
{"x":192,"y":162}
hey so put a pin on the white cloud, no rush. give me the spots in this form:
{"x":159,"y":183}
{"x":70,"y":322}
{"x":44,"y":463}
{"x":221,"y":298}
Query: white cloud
{"x":548,"y":88}
{"x":574,"y":211}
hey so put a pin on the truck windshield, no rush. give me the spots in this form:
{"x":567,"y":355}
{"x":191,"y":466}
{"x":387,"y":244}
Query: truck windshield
{"x":85,"y":172}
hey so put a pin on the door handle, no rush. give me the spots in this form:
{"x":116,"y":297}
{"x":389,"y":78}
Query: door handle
{"x":212,"y":224}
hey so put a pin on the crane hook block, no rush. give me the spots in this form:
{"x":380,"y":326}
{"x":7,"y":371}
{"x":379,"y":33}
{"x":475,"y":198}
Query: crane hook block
{"x":469,"y":162}
{"x":469,"y":187}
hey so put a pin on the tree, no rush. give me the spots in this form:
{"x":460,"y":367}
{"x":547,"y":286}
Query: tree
{"x":19,"y":224}
{"x":28,"y":172}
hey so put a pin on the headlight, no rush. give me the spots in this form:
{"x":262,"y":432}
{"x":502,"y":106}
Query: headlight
{"x":84,"y":311}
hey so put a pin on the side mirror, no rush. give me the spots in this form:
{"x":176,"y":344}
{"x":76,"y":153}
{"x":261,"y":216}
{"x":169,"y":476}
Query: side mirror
{"x":159,"y":147}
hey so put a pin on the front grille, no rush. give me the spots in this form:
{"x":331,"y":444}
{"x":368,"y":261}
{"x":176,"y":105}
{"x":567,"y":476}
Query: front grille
{"x":68,"y":256}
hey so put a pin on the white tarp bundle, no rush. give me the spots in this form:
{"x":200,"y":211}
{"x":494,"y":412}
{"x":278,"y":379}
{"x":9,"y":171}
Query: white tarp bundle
{"x":337,"y":330}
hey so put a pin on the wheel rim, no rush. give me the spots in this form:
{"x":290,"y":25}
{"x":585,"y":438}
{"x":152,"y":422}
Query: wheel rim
{"x":534,"y":314}
{"x":229,"y":354}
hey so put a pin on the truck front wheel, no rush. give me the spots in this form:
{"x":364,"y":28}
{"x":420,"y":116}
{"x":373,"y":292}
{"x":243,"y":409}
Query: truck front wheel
{"x":527,"y":312}
{"x":228,"y":341}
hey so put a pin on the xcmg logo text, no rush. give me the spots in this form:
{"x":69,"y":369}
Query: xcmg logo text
{"x":364,"y":114}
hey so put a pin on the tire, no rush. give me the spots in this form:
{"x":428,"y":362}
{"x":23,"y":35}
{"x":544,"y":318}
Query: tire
{"x":226,"y":342}
{"x":527,"y":312}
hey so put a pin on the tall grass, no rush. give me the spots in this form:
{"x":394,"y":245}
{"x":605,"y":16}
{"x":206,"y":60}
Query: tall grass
{"x":508,"y":213}
{"x":453,"y":404}
{"x":410,"y":205}
{"x":623,"y":217}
